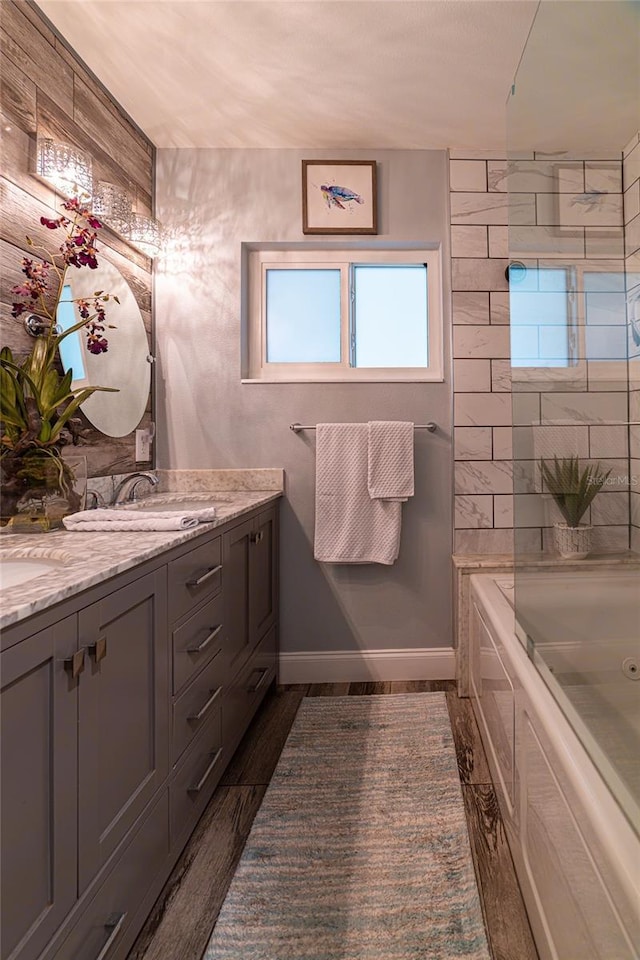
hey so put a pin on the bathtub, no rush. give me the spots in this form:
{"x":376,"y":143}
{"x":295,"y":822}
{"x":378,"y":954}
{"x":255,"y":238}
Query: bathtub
{"x":548,"y":715}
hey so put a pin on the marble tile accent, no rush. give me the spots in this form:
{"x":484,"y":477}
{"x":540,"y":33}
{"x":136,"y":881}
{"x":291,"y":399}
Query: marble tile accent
{"x":603,"y":177}
{"x":610,"y":509}
{"x":549,"y":440}
{"x":481,"y":341}
{"x":526,"y":408}
{"x":531,"y":510}
{"x":546,"y":242}
{"x":499,"y":241}
{"x":599,"y":243}
{"x":501,"y":375}
{"x":483,"y":542}
{"x":497,"y":177}
{"x":634,"y":443}
{"x":635,"y":509}
{"x":631,"y":202}
{"x":502,"y":443}
{"x":499,"y":307}
{"x":584,"y":407}
{"x":492,"y":208}
{"x":462,"y":153}
{"x":469,"y":240}
{"x":478,"y":274}
{"x":503,"y":511}
{"x":579,"y":210}
{"x":193,"y":481}
{"x":608,"y":442}
{"x":543,"y":176}
{"x":631,"y":168}
{"x":635,"y":139}
{"x":470,"y":307}
{"x":473,"y":511}
{"x":635,"y":538}
{"x":632,"y":236}
{"x":482,"y":410}
{"x":483,"y":476}
{"x":468,"y":175}
{"x":473,"y":443}
{"x":471,"y":376}
{"x":599,"y":155}
{"x":98,"y":556}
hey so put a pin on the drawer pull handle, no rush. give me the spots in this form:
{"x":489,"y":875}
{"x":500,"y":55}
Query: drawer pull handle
{"x":113,"y":923}
{"x":196,"y":717}
{"x":264,"y":671}
{"x":198,"y":648}
{"x":257,"y":537}
{"x":98,"y":649}
{"x":205,"y":576}
{"x":197,"y":787}
{"x":75,"y":664}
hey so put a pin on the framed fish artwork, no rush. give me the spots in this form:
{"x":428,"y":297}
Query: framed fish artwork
{"x":339,"y":196}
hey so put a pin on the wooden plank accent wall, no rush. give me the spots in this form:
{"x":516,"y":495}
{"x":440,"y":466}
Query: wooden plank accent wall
{"x":46,"y":90}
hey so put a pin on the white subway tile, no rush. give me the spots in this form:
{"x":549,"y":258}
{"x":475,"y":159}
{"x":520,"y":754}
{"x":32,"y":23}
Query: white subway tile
{"x":631,"y":168}
{"x":471,"y":376}
{"x":497,"y":176}
{"x":632,"y":236}
{"x":603,"y":177}
{"x":468,"y":175}
{"x":483,"y":476}
{"x":499,"y":308}
{"x":610,"y":509}
{"x":469,"y":543}
{"x":528,"y":242}
{"x":473,"y":511}
{"x":503,"y":510}
{"x":462,"y":153}
{"x":501,"y":375}
{"x":579,"y":209}
{"x":606,"y":244}
{"x":472,"y":443}
{"x":631,"y":202}
{"x":469,"y":240}
{"x":608,"y":441}
{"x":470,"y":307}
{"x":482,"y":409}
{"x":483,"y":208}
{"x":503,"y":443}
{"x":635,"y":139}
{"x":499,"y":242}
{"x":481,"y":341}
{"x":544,"y":176}
{"x":478,"y":274}
{"x":584,"y":407}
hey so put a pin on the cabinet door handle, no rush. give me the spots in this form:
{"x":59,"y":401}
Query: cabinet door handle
{"x":257,"y":537}
{"x":197,"y":787}
{"x":211,"y":572}
{"x":198,"y":648}
{"x":75,"y":664}
{"x":98,"y":649}
{"x":114,"y":924}
{"x":264,"y":671}
{"x":196,"y":717}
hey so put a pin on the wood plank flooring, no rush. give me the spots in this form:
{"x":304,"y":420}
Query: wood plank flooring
{"x":182,"y":919}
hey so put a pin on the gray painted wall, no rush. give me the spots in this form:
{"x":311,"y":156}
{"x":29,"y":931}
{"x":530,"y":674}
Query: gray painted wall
{"x":212,"y":201}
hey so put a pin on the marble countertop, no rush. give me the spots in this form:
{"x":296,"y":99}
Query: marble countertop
{"x":86,"y":559}
{"x":537,"y":561}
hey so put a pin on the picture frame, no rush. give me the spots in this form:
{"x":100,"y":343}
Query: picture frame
{"x":339,"y":197}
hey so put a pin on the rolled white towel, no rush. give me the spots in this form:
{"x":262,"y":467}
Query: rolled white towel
{"x":130,"y":520}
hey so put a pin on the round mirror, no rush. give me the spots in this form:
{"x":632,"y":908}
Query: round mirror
{"x":125,"y":365}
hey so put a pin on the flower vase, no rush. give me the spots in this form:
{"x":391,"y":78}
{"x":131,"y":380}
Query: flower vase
{"x":39,"y":488}
{"x":572,"y":543}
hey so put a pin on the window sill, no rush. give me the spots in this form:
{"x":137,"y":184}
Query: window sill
{"x":327,"y":380}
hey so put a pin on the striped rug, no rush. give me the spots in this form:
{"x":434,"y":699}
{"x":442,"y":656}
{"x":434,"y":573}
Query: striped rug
{"x":360,"y":849}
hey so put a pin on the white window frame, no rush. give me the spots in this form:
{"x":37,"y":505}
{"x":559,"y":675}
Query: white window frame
{"x":261,"y":371}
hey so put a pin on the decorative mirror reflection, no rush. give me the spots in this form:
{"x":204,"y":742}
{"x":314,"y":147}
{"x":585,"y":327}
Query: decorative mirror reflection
{"x":125,"y":366}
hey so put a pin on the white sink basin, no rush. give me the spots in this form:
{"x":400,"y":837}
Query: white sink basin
{"x":18,"y":570}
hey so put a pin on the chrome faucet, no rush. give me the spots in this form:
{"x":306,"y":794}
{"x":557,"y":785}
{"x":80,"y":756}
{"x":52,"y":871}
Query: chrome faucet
{"x":125,"y":492}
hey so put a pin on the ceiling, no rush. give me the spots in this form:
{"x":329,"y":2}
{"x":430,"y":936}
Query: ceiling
{"x":421,"y":74}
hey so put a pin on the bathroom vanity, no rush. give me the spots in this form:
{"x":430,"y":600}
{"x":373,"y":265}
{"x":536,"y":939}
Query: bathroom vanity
{"x":123,"y":700}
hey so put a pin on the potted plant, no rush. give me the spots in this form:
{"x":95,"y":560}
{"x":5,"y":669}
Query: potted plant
{"x":573,"y":489}
{"x":37,"y":400}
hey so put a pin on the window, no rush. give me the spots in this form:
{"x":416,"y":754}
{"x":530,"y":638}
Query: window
{"x":344,"y":315}
{"x":72,"y":347}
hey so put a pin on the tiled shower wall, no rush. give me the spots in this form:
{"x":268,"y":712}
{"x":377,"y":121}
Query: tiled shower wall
{"x":631,"y":182}
{"x":563,"y":212}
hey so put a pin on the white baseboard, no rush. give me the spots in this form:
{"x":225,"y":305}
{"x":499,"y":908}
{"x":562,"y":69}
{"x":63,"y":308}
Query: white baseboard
{"x":341,"y":666}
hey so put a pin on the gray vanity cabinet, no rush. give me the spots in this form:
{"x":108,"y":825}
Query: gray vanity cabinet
{"x":38,"y":804}
{"x":123,"y":715}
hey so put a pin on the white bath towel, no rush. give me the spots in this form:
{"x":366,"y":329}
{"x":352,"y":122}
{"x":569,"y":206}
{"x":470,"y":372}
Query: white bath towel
{"x":350,"y":526}
{"x":390,"y":467}
{"x":130,"y":520}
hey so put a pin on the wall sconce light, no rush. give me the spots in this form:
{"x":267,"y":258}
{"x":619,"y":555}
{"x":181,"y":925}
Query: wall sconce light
{"x":112,"y":205}
{"x":65,"y":167}
{"x":146,"y":234}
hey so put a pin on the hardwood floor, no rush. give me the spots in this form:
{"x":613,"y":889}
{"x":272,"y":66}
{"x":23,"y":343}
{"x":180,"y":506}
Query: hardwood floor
{"x":182,"y":919}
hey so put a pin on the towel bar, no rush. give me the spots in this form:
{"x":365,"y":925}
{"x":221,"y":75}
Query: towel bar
{"x":431,"y":427}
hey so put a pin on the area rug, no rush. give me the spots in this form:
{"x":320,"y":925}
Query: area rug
{"x":360,"y":848}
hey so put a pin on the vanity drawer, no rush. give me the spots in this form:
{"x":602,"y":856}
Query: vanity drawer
{"x":196,"y":705}
{"x":105,"y":923}
{"x":193,"y":576}
{"x":195,"y":779}
{"x":245,"y":692}
{"x":197,"y":641}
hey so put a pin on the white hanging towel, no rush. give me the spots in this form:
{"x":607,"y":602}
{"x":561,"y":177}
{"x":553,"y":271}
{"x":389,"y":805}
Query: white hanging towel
{"x":390,"y":468}
{"x":351,"y":527}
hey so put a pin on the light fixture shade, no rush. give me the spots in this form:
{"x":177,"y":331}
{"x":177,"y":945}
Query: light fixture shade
{"x":146,"y":234}
{"x":112,"y":205}
{"x":65,"y":167}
